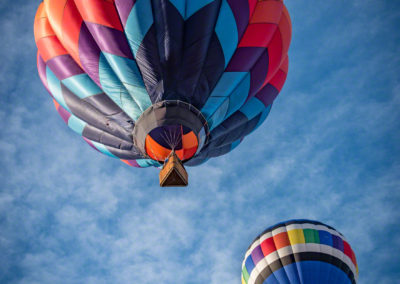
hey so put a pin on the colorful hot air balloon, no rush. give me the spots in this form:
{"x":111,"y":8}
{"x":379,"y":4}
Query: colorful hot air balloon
{"x":145,"y":80}
{"x":300,"y":251}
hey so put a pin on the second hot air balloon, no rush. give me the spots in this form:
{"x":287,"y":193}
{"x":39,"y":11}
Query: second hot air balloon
{"x":300,"y":252}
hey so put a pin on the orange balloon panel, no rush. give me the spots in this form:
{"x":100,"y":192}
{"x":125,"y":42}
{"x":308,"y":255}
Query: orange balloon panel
{"x":161,"y":153}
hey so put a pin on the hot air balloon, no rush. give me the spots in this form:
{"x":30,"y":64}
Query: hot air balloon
{"x":300,"y":251}
{"x":163,"y":83}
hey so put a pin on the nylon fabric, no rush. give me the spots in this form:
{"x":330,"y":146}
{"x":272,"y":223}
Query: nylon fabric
{"x":107,"y":62}
{"x":82,"y":46}
{"x":256,"y":68}
{"x":105,"y":142}
{"x":82,"y":108}
{"x":300,"y":251}
{"x":107,"y":31}
{"x":66,"y":70}
{"x":229,"y":135}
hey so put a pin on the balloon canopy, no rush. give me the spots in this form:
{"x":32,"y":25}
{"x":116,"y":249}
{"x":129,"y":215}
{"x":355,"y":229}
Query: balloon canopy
{"x":300,"y":251}
{"x":139,"y":78}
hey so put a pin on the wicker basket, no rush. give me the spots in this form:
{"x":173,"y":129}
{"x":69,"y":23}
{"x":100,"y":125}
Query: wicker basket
{"x":173,"y":172}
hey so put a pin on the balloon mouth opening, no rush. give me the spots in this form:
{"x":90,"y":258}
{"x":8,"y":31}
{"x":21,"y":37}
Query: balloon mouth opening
{"x":162,"y":140}
{"x":170,"y":126}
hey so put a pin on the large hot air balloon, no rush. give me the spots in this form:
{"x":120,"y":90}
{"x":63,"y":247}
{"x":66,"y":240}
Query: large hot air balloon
{"x":301,"y":252}
{"x":158,"y":82}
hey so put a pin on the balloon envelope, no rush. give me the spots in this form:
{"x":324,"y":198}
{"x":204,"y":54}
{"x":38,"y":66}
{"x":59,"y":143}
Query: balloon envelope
{"x":139,"y":78}
{"x":300,"y":251}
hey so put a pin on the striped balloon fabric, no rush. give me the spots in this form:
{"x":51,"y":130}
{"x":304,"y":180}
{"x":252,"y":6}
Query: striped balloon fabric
{"x":301,"y":252}
{"x":140,"y":78}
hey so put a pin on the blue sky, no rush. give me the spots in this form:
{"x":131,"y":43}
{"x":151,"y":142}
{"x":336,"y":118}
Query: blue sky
{"x":328,"y":151}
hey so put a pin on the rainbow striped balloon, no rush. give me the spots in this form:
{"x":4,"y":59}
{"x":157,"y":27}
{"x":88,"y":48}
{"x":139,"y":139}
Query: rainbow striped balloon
{"x":300,"y":251}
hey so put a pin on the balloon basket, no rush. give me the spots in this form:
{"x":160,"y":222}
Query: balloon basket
{"x":173,"y":173}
